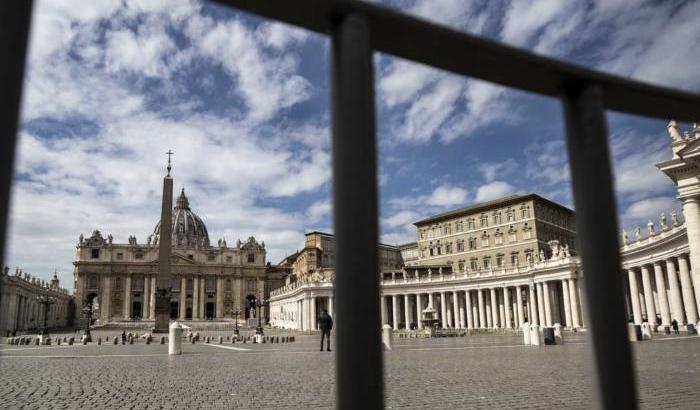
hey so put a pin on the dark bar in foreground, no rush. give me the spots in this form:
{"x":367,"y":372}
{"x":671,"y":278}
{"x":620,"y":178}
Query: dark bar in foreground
{"x":359,"y":359}
{"x":597,"y":229}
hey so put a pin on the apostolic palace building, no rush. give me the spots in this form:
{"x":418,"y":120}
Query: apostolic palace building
{"x":498,"y":264}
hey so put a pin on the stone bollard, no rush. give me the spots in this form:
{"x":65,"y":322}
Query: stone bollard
{"x":534,"y":335}
{"x":162,"y":340}
{"x":115,"y":340}
{"x":37,"y":341}
{"x":228,"y":338}
{"x":148,"y":339}
{"x":99,"y":340}
{"x":387,"y":336}
{"x":196,"y":336}
{"x":558,"y":335}
{"x":221,"y":340}
{"x":131,"y":340}
{"x":48,"y":341}
{"x":192,"y":340}
{"x":646,"y":331}
{"x":65,"y":340}
{"x":666,"y":329}
{"x":175,"y":343}
{"x":243,"y":340}
{"x":71,"y":340}
{"x":548,"y":336}
{"x":233,"y":340}
{"x":83,"y":341}
{"x":207,"y":340}
{"x":526,"y":333}
{"x":264,"y":339}
{"x":691,"y":329}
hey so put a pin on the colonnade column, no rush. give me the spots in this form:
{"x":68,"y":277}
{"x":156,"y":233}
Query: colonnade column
{"x":145,"y":311}
{"x":676,"y":300}
{"x":468,"y":308}
{"x":573,"y":297}
{"x":648,"y":296}
{"x":152,"y":312}
{"x":567,"y":302}
{"x":634,"y":296}
{"x":691,"y":212}
{"x":482,"y":312}
{"x":506,"y":306}
{"x":195,"y":298}
{"x":395,"y":312}
{"x":519,"y":304}
{"x":443,"y":308}
{"x":406,"y":312}
{"x":534,"y":315}
{"x":127,"y":297}
{"x":459,"y":311}
{"x":183,"y":298}
{"x":312,"y":315}
{"x":494,"y":308}
{"x":661,"y":291}
{"x":419,"y":306}
{"x":540,"y":304}
{"x":330,"y":307}
{"x":547,"y":305}
{"x":385,"y":319}
{"x":691,"y":310}
{"x":106,"y":298}
{"x":220,"y":300}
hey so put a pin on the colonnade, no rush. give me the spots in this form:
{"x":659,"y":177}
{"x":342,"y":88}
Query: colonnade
{"x":301,"y":313}
{"x":29,"y":313}
{"x":543,"y":302}
{"x":662,"y":291}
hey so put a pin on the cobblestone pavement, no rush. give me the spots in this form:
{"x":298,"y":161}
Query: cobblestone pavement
{"x":473,"y":372}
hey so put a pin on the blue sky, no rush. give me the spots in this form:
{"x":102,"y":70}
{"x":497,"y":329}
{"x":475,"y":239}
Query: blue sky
{"x":112,"y":85}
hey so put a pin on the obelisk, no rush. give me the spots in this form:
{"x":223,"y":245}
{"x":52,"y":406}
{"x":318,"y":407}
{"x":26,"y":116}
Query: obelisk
{"x":163,"y":290}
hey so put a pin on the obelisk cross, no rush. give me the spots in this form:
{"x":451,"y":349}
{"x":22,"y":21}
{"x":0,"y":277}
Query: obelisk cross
{"x":169,"y":153}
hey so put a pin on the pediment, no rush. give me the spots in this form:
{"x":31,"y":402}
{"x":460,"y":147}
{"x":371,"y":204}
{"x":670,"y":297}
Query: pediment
{"x":177,"y":259}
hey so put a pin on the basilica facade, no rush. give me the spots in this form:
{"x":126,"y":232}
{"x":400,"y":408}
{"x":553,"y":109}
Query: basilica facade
{"x":208,"y":281}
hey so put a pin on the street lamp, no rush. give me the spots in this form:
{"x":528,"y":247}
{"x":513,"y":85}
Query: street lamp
{"x":258,"y":306}
{"x":46,"y":301}
{"x":87,"y":310}
{"x":235,"y":329}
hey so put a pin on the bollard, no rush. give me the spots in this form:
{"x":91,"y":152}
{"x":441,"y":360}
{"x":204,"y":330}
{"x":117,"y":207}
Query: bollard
{"x":646,"y":331}
{"x":667,"y":330}
{"x":228,"y":338}
{"x":36,"y":341}
{"x":387,"y":337}
{"x":264,"y":339}
{"x":65,"y":340}
{"x":83,"y":341}
{"x":548,"y":336}
{"x":526,"y":333}
{"x":221,"y":340}
{"x":207,"y":339}
{"x":196,"y":336}
{"x":192,"y":340}
{"x":58,"y":341}
{"x":690,"y":328}
{"x":233,"y":340}
{"x":115,"y":340}
{"x":99,"y":340}
{"x":175,"y":341}
{"x":162,"y":340}
{"x":534,"y":335}
{"x":558,"y":335}
{"x":148,"y":340}
{"x":48,"y":341}
{"x":244,"y":341}
{"x":131,"y":340}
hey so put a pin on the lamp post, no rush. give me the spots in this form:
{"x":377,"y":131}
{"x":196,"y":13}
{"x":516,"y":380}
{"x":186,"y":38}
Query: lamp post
{"x":258,"y":306}
{"x":46,"y":301}
{"x":235,"y":329}
{"x":87,"y":310}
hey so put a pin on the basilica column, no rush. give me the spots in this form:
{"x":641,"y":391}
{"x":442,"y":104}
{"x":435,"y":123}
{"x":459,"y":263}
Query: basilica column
{"x":482,"y":310}
{"x":534,"y":315}
{"x":676,"y":300}
{"x":691,"y":310}
{"x":661,"y":291}
{"x":506,"y":306}
{"x":494,"y":308}
{"x":202,"y":297}
{"x":540,"y":304}
{"x":106,"y":306}
{"x":220,"y":301}
{"x":394,"y":312}
{"x":152,"y":312}
{"x":146,"y":309}
{"x":634,"y":296}
{"x":567,"y":302}
{"x":519,"y":304}
{"x":406,"y":312}
{"x":183,"y":297}
{"x":195,"y":298}
{"x":468,"y":308}
{"x":127,"y":297}
{"x":648,"y":296}
{"x":443,"y":313}
{"x":430,"y":300}
{"x":547,"y":304}
{"x":419,"y":306}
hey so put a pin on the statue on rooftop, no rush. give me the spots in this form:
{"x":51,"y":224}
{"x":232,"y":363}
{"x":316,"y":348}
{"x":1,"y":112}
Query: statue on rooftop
{"x":674,"y":132}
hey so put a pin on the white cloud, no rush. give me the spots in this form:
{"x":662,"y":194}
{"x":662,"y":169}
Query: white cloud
{"x":640,"y":212}
{"x":493,"y":190}
{"x":493,"y":170}
{"x":447,"y":195}
{"x":143,"y":54}
{"x":401,"y":218}
{"x":318,"y":210}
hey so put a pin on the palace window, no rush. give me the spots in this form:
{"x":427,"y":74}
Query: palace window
{"x":229,"y":259}
{"x":496,"y":218}
{"x":470,"y":223}
{"x":190,"y":257}
{"x":431,"y":251}
{"x":459,"y":226}
{"x":448,"y":247}
{"x":487,"y":262}
{"x":460,"y":245}
{"x":472,"y":244}
{"x":138,"y":255}
{"x":422,"y":234}
{"x":92,"y":282}
{"x":484,"y":240}
{"x":527,"y":232}
{"x":474,"y":264}
{"x":228,"y":284}
{"x":512,"y":236}
{"x":120,"y":256}
{"x":511,"y":215}
{"x":499,"y":260}
{"x":484,"y":221}
{"x":460,"y":266}
{"x":95,"y":253}
{"x":446,"y":229}
{"x":211,"y":258}
{"x":498,"y":237}
{"x":525,"y":212}
{"x":251,"y":258}
{"x":514,"y":259}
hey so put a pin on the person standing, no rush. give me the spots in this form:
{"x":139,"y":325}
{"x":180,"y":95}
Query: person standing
{"x":674,"y":325}
{"x":325,"y":323}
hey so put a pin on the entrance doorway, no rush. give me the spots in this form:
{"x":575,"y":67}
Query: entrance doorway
{"x":209,"y":311}
{"x":249,"y":306}
{"x":173,"y":310}
{"x":136,"y":310}
{"x":188,"y":313}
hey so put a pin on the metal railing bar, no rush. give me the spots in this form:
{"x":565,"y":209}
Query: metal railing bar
{"x":355,"y":215}
{"x":596,"y":224}
{"x":15,"y":17}
{"x":418,"y":40}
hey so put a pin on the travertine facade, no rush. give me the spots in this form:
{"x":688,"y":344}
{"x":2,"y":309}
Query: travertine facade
{"x":209,"y":282}
{"x":20,"y":308}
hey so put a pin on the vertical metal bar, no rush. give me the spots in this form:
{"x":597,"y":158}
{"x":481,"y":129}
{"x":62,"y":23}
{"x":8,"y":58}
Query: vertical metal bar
{"x":359,"y":359}
{"x":15,"y":17}
{"x":596,"y":222}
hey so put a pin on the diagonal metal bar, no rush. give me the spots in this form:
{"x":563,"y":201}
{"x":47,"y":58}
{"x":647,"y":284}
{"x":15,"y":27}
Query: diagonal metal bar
{"x":418,"y":40}
{"x":596,"y":224}
{"x":15,"y":17}
{"x":359,"y":359}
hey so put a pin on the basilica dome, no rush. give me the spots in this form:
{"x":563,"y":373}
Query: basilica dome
{"x":188,"y":229}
